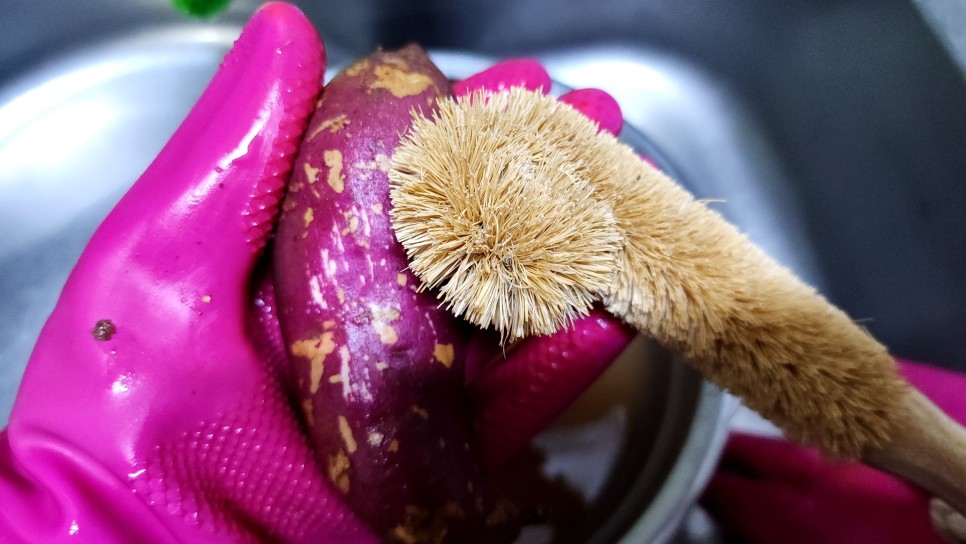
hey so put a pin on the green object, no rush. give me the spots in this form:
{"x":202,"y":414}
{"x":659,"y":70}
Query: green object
{"x":201,"y":8}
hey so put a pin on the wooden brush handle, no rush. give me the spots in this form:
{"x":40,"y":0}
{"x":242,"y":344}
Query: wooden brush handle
{"x":927,"y":448}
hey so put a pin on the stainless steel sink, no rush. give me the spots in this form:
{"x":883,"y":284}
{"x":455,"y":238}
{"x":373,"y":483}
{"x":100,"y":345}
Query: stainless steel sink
{"x":833,"y":133}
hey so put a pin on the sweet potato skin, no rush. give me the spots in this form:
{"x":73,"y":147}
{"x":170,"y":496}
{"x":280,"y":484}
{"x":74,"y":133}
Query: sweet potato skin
{"x":378,"y":365}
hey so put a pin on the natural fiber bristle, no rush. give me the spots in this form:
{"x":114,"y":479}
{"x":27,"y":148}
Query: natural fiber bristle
{"x":495,"y":200}
{"x":477,"y":196}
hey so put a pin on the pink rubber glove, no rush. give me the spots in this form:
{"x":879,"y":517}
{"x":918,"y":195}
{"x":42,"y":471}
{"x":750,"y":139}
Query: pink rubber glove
{"x":145,"y":414}
{"x":768,"y":490}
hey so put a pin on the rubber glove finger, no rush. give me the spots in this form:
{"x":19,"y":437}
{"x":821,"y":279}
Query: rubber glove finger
{"x":606,"y":111}
{"x":145,"y":414}
{"x":599,"y":106}
{"x":526,"y":73}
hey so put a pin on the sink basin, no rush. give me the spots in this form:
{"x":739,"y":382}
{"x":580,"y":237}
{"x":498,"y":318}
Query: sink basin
{"x":831,"y":133}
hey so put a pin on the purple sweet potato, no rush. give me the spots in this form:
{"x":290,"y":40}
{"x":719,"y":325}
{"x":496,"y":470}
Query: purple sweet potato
{"x":378,"y":365}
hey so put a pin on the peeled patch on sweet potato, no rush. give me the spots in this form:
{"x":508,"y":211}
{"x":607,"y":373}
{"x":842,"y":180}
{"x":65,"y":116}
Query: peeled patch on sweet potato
{"x":379,"y":366}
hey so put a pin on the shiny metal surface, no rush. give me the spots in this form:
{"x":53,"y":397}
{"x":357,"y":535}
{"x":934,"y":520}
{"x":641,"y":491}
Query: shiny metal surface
{"x":831,"y":132}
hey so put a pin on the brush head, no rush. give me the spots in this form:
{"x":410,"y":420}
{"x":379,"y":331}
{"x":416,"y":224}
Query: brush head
{"x":478,"y":193}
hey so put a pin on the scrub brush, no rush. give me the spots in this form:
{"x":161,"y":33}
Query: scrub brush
{"x":522,"y":215}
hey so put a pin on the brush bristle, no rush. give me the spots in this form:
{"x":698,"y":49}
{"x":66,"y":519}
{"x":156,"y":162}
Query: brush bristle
{"x":477,"y":196}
